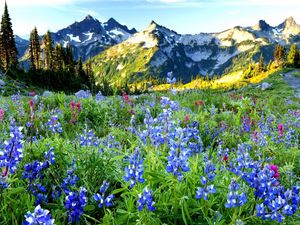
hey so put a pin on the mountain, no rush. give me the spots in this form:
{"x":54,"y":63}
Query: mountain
{"x":22,"y":45}
{"x":89,"y":37}
{"x":156,"y":50}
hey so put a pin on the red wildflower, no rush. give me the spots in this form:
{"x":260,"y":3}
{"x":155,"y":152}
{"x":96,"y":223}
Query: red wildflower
{"x":186,"y":119}
{"x":199,"y":103}
{"x":126,"y":97}
{"x":225,"y":158}
{"x":1,"y":114}
{"x":72,"y":104}
{"x":31,"y":103}
{"x":255,"y":136}
{"x":5,"y":171}
{"x":32,"y":94}
{"x":276,"y":172}
{"x":78,"y":105}
{"x":280,"y":130}
{"x":132,"y":111}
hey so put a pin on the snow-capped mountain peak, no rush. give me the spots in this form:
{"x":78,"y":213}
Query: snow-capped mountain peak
{"x":289,"y":27}
{"x":89,"y":37}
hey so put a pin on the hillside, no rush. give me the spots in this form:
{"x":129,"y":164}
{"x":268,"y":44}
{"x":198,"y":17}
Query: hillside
{"x":87,"y":38}
{"x":157,"y":50}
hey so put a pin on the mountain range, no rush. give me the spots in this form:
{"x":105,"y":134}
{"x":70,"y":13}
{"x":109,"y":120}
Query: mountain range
{"x":87,"y":38}
{"x":120,"y":54}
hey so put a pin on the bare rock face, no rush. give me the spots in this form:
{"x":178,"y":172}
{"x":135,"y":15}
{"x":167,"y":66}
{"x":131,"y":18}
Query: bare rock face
{"x":290,"y":27}
{"x":2,"y":83}
{"x":265,"y":86}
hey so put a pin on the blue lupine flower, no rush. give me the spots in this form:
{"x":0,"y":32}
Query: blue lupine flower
{"x":3,"y":182}
{"x":83,"y":94}
{"x":234,"y":199}
{"x":70,"y":180}
{"x":206,"y":190}
{"x":89,"y":138}
{"x":109,"y":143}
{"x":12,"y":152}
{"x":134,"y":172}
{"x":38,"y":217}
{"x":49,"y":156}
{"x":54,"y":125}
{"x":247,"y":124}
{"x":166,"y":102}
{"x":279,"y":203}
{"x":210,"y":171}
{"x":170,"y":78}
{"x":179,"y":153}
{"x":107,"y":201}
{"x":99,"y":97}
{"x":74,"y":203}
{"x":146,"y":198}
{"x":35,"y":172}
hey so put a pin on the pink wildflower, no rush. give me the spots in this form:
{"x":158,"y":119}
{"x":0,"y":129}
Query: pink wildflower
{"x":1,"y":114}
{"x":276,"y":172}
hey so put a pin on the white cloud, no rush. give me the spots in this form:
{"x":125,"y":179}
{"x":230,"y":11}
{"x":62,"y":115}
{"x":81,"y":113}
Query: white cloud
{"x":172,"y":1}
{"x":262,"y":2}
{"x":167,"y":1}
{"x":38,"y":2}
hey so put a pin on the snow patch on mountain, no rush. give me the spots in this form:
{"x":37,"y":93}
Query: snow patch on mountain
{"x":89,"y":35}
{"x":76,"y":39}
{"x":237,"y":34}
{"x":116,"y":32}
{"x":223,"y":57}
{"x":243,"y":48}
{"x":145,"y":38}
{"x":65,"y":43}
{"x":199,"y":55}
{"x":198,"y":39}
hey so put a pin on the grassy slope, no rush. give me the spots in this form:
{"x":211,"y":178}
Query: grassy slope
{"x":122,"y":62}
{"x":13,"y":86}
{"x":228,"y":81}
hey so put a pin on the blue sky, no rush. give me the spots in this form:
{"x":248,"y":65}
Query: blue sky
{"x":183,"y":16}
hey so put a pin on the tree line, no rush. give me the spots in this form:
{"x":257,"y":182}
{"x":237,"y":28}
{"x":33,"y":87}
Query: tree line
{"x":54,"y":65}
{"x":51,"y":66}
{"x":282,"y":59}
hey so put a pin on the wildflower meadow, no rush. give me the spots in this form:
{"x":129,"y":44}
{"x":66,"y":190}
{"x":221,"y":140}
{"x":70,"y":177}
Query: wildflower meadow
{"x":178,"y":157}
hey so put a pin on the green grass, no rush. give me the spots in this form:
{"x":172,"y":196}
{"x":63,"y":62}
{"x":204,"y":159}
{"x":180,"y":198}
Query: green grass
{"x":220,"y":123}
{"x":297,"y":74}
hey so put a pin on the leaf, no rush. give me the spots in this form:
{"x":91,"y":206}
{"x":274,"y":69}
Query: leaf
{"x":122,"y":211}
{"x":89,"y":208}
{"x":185,"y":206}
{"x":16,"y":190}
{"x":116,"y":191}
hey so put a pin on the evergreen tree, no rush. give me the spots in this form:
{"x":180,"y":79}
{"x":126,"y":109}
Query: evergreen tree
{"x":269,"y":65}
{"x":8,"y":49}
{"x":58,"y":58}
{"x":280,"y":55}
{"x":276,"y":53}
{"x":293,"y":56}
{"x":261,"y":65}
{"x":35,"y":50}
{"x":48,"y":51}
{"x":79,"y":70}
{"x":68,"y":60}
{"x":90,"y":74}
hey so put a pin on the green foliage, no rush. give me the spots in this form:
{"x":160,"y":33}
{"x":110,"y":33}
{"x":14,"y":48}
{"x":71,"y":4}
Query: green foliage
{"x":8,"y":49}
{"x":280,"y":55}
{"x":174,"y":200}
{"x":35,"y":50}
{"x":293,"y":56}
